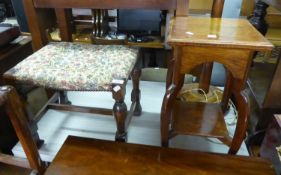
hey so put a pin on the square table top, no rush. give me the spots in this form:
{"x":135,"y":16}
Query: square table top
{"x":216,"y":32}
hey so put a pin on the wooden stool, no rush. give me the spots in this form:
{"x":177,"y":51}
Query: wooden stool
{"x":195,"y":41}
{"x":89,"y":156}
{"x":65,"y":66}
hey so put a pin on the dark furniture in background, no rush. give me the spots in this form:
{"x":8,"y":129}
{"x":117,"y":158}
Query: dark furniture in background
{"x":19,"y":12}
{"x":7,"y":34}
{"x":8,"y":7}
{"x":264,"y":83}
{"x":10,"y":55}
{"x":271,"y":145}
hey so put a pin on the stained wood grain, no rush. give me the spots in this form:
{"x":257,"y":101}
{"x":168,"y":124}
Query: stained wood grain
{"x":118,"y":158}
{"x":234,"y":33}
{"x":201,"y":119}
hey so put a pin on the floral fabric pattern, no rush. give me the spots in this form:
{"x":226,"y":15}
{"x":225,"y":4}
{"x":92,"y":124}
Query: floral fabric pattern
{"x":75,"y":66}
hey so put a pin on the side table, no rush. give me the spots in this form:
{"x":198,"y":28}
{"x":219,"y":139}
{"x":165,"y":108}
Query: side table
{"x":197,"y":40}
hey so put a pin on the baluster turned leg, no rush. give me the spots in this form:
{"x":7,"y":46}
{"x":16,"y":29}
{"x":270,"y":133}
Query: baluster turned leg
{"x":120,"y":111}
{"x":136,"y":93}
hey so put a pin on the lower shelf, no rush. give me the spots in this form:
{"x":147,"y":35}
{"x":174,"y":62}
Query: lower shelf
{"x":199,"y":119}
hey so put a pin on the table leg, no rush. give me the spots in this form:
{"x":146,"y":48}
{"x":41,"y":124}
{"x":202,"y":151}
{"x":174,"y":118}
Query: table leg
{"x":243,"y":109}
{"x":120,"y":111}
{"x":167,"y":105}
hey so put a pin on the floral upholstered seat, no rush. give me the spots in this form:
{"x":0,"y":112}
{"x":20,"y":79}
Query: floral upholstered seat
{"x":74,"y":66}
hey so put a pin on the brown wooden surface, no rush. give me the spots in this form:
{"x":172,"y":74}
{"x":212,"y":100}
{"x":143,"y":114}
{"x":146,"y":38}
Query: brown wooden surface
{"x":182,"y":7}
{"x":8,"y":34}
{"x":105,"y":157}
{"x":107,"y":4}
{"x":19,"y":162}
{"x":233,"y":46}
{"x":275,"y":3}
{"x":235,"y":60}
{"x":206,"y":74}
{"x":233,"y":33}
{"x":272,"y":99}
{"x":13,"y":170}
{"x":217,"y":8}
{"x":73,"y":108}
{"x":38,"y":22}
{"x":17,"y":115}
{"x":64,"y":19}
{"x":201,"y":119}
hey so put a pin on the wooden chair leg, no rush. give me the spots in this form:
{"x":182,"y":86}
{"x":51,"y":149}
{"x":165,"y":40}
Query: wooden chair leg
{"x":242,"y":122}
{"x":15,"y":110}
{"x":22,"y":97}
{"x":136,"y":93}
{"x":120,"y":110}
{"x":63,"y":99}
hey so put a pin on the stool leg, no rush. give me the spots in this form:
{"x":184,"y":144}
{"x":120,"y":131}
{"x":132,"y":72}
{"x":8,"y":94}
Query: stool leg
{"x":242,"y":122}
{"x":23,"y":98}
{"x":63,"y":99}
{"x":15,"y":110}
{"x":136,"y":93}
{"x":120,"y":111}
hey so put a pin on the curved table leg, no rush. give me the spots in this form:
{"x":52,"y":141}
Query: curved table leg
{"x":167,"y":105}
{"x":242,"y":122}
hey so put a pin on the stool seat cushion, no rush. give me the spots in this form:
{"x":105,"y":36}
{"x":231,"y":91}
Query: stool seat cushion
{"x":76,"y":66}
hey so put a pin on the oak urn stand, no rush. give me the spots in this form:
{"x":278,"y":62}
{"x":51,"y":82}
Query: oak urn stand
{"x":197,"y":40}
